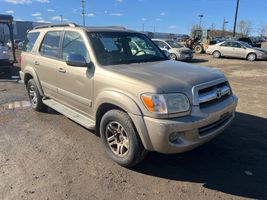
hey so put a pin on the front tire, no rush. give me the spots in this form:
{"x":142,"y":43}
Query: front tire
{"x":173,"y":56}
{"x":35,"y":97}
{"x":216,"y":54}
{"x":199,"y":49}
{"x":120,"y":139}
{"x":251,"y":57}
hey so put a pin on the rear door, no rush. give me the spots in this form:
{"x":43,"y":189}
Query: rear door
{"x":46,"y":64}
{"x":226,"y":49}
{"x":75,"y":84}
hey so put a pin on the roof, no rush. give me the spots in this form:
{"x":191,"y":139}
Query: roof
{"x":6,"y":18}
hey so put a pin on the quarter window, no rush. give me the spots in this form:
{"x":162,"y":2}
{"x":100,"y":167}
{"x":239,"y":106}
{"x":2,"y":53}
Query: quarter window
{"x":30,"y":41}
{"x":50,"y":45}
{"x":73,"y":43}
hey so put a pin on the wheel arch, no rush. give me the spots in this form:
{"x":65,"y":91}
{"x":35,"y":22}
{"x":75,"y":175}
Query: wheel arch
{"x":30,"y":73}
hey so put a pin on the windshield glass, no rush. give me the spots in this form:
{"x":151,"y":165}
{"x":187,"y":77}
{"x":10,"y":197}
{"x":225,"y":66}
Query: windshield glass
{"x":246,"y":44}
{"x":113,"y":48}
{"x":173,"y":44}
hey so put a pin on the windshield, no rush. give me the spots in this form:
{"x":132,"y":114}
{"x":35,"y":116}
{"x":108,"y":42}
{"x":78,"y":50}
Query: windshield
{"x":173,"y":44}
{"x":113,"y":48}
{"x":246,"y":45}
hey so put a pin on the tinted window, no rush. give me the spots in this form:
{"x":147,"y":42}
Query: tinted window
{"x":161,"y":44}
{"x":73,"y":43}
{"x":30,"y":41}
{"x":236,"y":45}
{"x":50,"y":45}
{"x":227,"y":44}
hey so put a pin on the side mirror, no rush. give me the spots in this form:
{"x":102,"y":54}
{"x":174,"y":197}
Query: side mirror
{"x":166,"y":47}
{"x":76,"y":60}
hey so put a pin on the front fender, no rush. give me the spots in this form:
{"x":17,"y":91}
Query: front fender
{"x":32,"y":72}
{"x":118,"y":99}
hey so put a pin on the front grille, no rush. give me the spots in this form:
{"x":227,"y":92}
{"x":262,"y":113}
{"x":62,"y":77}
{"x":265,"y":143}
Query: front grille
{"x":214,"y":93}
{"x":216,"y":125}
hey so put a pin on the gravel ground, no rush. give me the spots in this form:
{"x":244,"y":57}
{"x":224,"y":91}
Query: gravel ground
{"x":47,"y":156}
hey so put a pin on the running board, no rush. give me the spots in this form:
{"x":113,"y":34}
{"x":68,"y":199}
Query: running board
{"x":70,"y":113}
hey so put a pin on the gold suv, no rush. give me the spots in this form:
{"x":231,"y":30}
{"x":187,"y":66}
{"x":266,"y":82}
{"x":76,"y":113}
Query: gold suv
{"x":121,"y":84}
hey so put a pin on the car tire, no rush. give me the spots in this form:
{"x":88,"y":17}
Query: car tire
{"x":252,"y":57}
{"x":120,"y":139}
{"x":173,"y":56}
{"x":199,"y":49}
{"x":216,"y":54}
{"x":35,"y":97}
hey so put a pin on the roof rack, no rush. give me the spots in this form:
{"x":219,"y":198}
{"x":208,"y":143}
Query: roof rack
{"x":56,"y":25}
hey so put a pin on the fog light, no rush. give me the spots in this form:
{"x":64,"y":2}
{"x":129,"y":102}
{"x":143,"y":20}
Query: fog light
{"x":175,"y":138}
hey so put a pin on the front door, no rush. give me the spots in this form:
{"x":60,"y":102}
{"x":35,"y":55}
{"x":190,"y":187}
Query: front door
{"x":75,"y":84}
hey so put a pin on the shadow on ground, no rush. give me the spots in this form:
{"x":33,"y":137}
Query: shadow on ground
{"x":197,"y":60}
{"x":221,"y":164}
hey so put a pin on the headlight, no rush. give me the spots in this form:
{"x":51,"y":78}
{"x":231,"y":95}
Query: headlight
{"x":166,"y":103}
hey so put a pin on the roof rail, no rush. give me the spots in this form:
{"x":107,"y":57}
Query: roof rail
{"x":108,"y":27}
{"x":56,"y":25}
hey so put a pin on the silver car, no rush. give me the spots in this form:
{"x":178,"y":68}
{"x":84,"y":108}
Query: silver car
{"x":236,"y":49}
{"x":176,"y":51}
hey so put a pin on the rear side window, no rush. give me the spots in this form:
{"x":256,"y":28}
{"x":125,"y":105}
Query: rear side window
{"x":30,"y":41}
{"x":50,"y":44}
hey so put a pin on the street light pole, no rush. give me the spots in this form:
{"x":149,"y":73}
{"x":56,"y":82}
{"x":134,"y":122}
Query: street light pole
{"x":236,"y":13}
{"x":224,"y":26}
{"x":83,"y":11}
{"x":200,"y":20}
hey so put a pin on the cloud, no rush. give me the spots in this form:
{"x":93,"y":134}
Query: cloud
{"x":43,"y":21}
{"x":119,"y":1}
{"x":10,"y":12}
{"x":56,"y":18}
{"x":144,"y":19}
{"x":90,"y":15}
{"x":172,"y":27}
{"x":36,"y":14}
{"x":43,"y":1}
{"x":158,"y":19}
{"x":162,"y":14}
{"x":19,"y":1}
{"x":39,"y":18}
{"x":116,"y":14}
{"x":50,"y":10}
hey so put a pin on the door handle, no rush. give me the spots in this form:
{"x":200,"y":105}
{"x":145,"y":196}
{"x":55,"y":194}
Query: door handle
{"x":36,"y":63}
{"x":62,"y":70}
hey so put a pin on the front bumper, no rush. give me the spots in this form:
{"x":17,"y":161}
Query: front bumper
{"x":194,"y":130}
{"x":262,"y":56}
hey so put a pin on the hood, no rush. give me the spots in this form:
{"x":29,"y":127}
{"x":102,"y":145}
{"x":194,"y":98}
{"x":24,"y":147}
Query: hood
{"x":260,"y":49}
{"x":167,"y":76}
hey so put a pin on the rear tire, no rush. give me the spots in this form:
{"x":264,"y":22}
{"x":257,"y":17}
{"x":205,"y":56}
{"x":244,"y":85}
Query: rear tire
{"x":120,"y":139}
{"x":216,"y":54}
{"x":252,"y":57}
{"x":35,"y":97}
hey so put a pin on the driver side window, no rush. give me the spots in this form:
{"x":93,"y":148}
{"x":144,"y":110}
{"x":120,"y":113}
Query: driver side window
{"x":73,"y":43}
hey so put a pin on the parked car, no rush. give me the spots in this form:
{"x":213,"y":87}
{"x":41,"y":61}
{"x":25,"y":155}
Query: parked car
{"x":251,"y":41}
{"x":4,"y":57}
{"x":137,"y":101}
{"x":177,"y":52}
{"x":236,"y":49}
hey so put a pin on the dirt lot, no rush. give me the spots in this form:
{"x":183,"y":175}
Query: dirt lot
{"x":47,"y":156}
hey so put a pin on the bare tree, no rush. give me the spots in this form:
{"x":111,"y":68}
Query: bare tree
{"x":244,"y":27}
{"x":263,"y":30}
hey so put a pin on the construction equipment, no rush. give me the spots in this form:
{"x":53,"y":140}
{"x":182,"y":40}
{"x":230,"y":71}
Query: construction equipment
{"x":199,"y":41}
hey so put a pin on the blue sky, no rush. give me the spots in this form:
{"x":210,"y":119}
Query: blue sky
{"x":165,"y":15}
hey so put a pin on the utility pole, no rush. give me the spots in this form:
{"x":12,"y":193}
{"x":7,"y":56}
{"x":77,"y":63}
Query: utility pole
{"x":154,"y":29}
{"x":200,"y":20}
{"x":224,"y":26}
{"x":236,"y":13}
{"x":61,"y":18}
{"x":83,"y":11}
{"x":143,"y":27}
